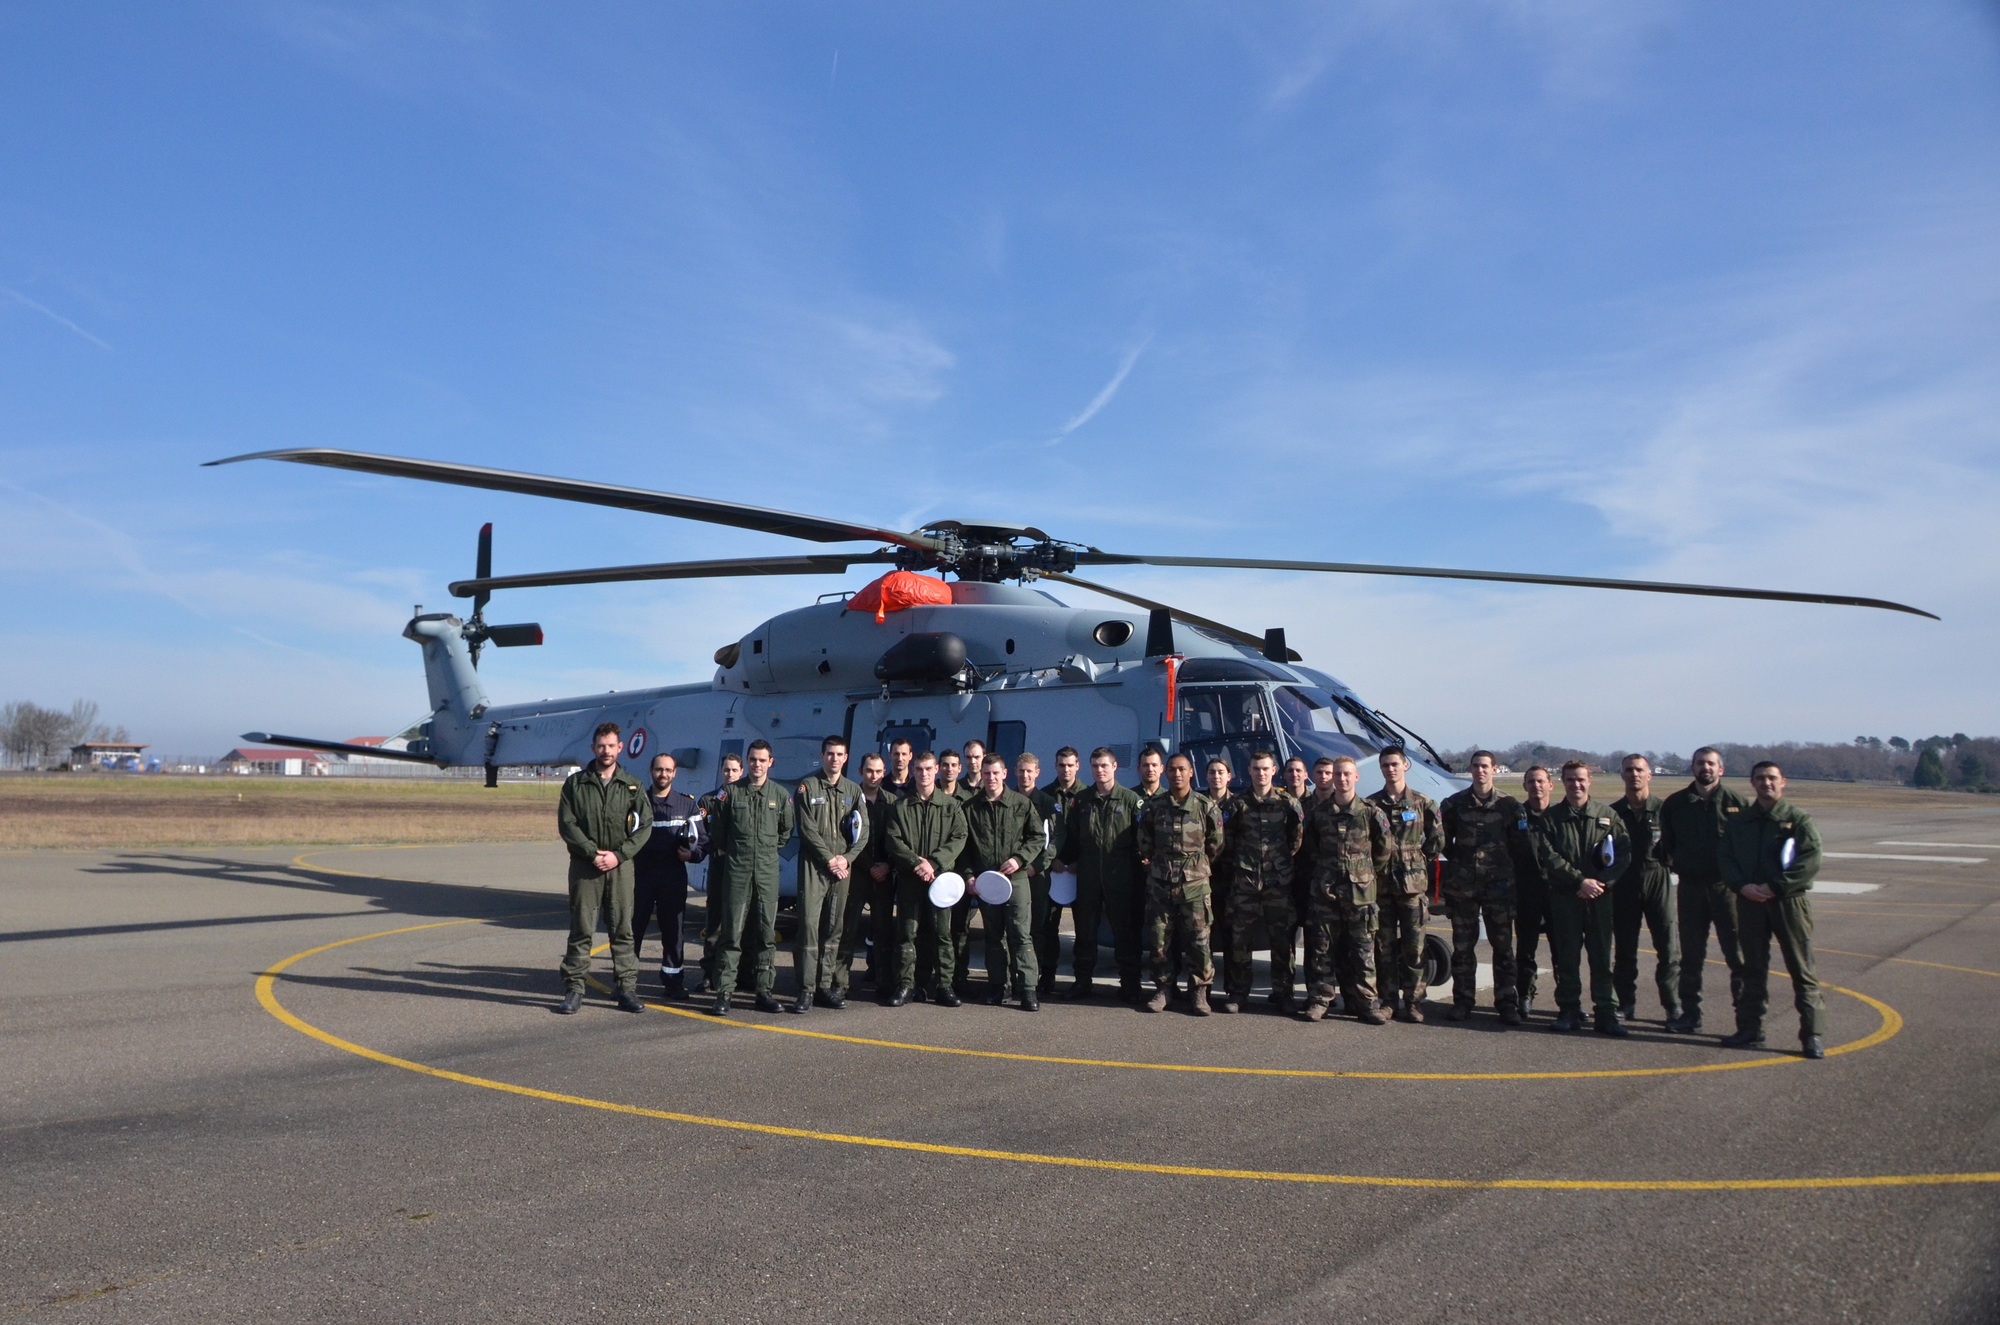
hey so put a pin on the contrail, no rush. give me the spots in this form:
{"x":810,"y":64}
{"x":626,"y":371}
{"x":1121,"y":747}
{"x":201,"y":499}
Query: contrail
{"x":1103,"y":398}
{"x":51,"y":315}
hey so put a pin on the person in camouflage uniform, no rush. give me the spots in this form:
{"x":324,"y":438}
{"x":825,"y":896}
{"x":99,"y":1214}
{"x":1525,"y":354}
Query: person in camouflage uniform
{"x":1179,"y":837}
{"x":833,"y":826}
{"x":1416,"y":841}
{"x":926,"y":835}
{"x":1260,"y":839}
{"x":1645,"y":895}
{"x":1584,"y":853}
{"x":1483,"y":834}
{"x":1348,"y":842}
{"x":1053,"y":802}
{"x":1299,"y":786}
{"x":1770,"y":856}
{"x":753,"y":822}
{"x":873,"y":888}
{"x":1218,"y":773}
{"x":1531,"y":886}
{"x":1692,"y":822}
{"x":1003,"y":833}
{"x":604,"y":818}
{"x":1100,"y":842}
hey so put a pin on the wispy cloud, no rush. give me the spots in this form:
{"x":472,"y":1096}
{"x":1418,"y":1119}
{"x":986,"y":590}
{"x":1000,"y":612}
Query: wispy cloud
{"x":14,"y":296}
{"x":1103,"y":397}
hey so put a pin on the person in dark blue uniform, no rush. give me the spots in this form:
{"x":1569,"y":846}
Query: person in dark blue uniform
{"x":660,"y":875}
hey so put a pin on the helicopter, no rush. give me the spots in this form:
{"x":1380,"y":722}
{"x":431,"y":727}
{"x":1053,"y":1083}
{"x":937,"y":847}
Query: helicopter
{"x":990,"y":654}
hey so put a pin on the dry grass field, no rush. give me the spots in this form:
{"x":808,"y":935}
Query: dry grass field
{"x":138,"y":812}
{"x":133,"y":812}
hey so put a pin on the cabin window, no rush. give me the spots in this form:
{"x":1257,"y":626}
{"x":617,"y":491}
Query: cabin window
{"x":1007,"y":739}
{"x":1010,"y":646}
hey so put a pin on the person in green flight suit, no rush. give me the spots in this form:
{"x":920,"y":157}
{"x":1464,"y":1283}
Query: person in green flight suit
{"x":752,"y":822}
{"x":1646,"y":893}
{"x":1770,"y":857}
{"x":1584,"y":852}
{"x":833,"y":828}
{"x":604,"y":817}
{"x":1100,"y":842}
{"x":1692,"y":821}
{"x":926,"y":836}
{"x":1003,"y":834}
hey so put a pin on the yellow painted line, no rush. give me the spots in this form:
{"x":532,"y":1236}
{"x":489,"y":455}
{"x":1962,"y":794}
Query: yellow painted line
{"x":1907,"y":961}
{"x":300,"y":862}
{"x":267,"y":996}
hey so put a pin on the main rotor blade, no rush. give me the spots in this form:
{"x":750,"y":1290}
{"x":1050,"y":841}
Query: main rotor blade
{"x":832,"y":563}
{"x":810,"y":527}
{"x":1095,"y":558}
{"x":1213,"y":627}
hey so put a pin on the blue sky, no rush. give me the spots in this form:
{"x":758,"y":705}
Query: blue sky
{"x":1636,"y":288}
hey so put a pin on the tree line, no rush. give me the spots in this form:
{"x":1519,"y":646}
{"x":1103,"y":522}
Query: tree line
{"x":33,"y":736}
{"x":1957,"y":762}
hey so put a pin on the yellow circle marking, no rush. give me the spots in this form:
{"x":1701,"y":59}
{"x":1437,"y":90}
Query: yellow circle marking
{"x":1907,"y":961}
{"x":267,"y":996}
{"x":1891,"y":1024}
{"x":300,"y":862}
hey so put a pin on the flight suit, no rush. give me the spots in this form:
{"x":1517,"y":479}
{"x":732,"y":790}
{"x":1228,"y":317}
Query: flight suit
{"x":923,"y":828}
{"x":1219,"y":928}
{"x":1053,"y":803}
{"x":1645,"y":893}
{"x":1416,"y":841}
{"x":1262,"y":837}
{"x":1179,"y":839}
{"x":1570,"y":850}
{"x":1691,"y":828}
{"x":997,"y":829}
{"x":1752,"y":847}
{"x":660,"y":876}
{"x":602,"y":814}
{"x":1101,"y":843}
{"x":877,"y":898}
{"x":1531,"y":905}
{"x":1349,"y":846}
{"x":833,"y":821}
{"x":1482,"y":839}
{"x":968,"y":905}
{"x":750,"y":825}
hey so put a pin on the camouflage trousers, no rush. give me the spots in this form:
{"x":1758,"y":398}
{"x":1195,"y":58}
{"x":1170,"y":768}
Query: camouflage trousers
{"x":1176,"y":923}
{"x":1498,"y":913}
{"x":1340,"y":950}
{"x":1249,"y":907}
{"x":1399,"y":945}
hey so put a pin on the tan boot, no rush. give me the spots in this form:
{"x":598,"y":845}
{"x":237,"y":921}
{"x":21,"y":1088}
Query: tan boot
{"x":1158,"y":1002}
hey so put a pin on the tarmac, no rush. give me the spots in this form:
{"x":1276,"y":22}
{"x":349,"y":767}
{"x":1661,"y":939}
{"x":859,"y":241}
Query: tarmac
{"x":252,"y":1085}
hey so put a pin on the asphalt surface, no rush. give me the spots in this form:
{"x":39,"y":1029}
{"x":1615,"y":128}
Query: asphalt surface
{"x":176,"y":1151}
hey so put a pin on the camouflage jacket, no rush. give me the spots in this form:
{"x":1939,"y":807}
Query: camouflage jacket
{"x":1482,"y":840}
{"x":1416,"y":838}
{"x":1753,"y":850}
{"x":749,"y":826}
{"x":1571,"y":842}
{"x":603,"y":814}
{"x":1642,"y":825}
{"x":1101,"y":839}
{"x":1349,"y":844}
{"x":1179,"y":840}
{"x":1053,"y":803}
{"x":833,"y":821}
{"x":1263,"y":837}
{"x":995,"y":830}
{"x":1691,"y":829}
{"x":920,"y":829}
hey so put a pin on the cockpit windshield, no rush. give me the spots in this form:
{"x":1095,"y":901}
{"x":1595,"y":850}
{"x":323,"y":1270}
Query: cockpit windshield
{"x":1304,"y":710}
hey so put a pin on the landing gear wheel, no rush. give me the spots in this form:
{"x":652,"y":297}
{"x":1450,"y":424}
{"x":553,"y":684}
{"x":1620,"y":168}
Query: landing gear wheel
{"x":1437,"y":960}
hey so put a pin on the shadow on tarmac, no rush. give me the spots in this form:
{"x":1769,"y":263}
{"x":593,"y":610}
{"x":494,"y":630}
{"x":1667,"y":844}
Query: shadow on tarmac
{"x":515,"y":985}
{"x":100,"y":931}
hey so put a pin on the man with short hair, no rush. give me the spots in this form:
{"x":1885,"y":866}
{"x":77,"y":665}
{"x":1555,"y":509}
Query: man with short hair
{"x":660,"y":873}
{"x":1531,"y":886}
{"x":729,"y":768}
{"x":1584,"y":852}
{"x":604,"y":819}
{"x":1052,"y":802}
{"x":753,"y":822}
{"x":1003,"y":834}
{"x":1645,"y":893}
{"x":1179,"y":837}
{"x":1770,"y":857}
{"x":1347,"y":840}
{"x":1100,"y":842}
{"x":1218,"y":772}
{"x":1299,"y":786}
{"x":901,"y":756}
{"x":969,"y":770}
{"x":926,"y":835}
{"x":1692,"y":822}
{"x":1151,"y":765}
{"x":1263,"y":833}
{"x":1403,"y":889}
{"x":833,"y":825}
{"x":871,"y":886}
{"x":1483,"y":835}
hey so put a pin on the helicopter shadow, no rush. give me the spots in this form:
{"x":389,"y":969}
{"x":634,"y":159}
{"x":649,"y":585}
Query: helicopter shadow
{"x":513,"y":986}
{"x":507,"y":907}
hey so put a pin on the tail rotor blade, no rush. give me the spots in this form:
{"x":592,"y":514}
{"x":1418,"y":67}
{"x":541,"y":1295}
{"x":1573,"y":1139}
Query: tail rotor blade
{"x":484,"y":568}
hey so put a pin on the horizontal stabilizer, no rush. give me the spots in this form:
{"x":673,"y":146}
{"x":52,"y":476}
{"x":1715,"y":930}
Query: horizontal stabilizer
{"x":337,"y":747}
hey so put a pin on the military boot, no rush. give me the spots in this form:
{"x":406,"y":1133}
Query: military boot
{"x":1371,"y":1015}
{"x":1130,"y":990}
{"x":1510,"y":1016}
{"x":1609,"y":1023}
{"x":1078,"y":991}
{"x":1158,"y":1002}
{"x":769,"y":1003}
{"x":1198,"y":1001}
{"x":673,"y":984}
{"x":1812,"y":1046}
{"x":571,"y":1002}
{"x":1746,"y":1037}
{"x":1315,"y":1011}
{"x":1567,"y":1021}
{"x":720,"y":1008}
{"x":628,"y":1001}
{"x":1461,"y":1011}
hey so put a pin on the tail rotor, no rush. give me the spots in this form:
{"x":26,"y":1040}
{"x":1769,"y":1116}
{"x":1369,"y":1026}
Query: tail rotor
{"x":477,"y":633}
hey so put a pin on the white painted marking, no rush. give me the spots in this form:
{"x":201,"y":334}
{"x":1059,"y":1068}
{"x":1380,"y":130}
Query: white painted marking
{"x":1829,"y":886}
{"x":1884,"y":855}
{"x":1976,"y":846}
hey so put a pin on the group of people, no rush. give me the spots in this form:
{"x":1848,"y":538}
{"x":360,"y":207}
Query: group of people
{"x":1192,"y":880}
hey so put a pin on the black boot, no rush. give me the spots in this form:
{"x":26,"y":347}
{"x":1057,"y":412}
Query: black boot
{"x":571,"y":1002}
{"x":1746,"y":1037}
{"x":1609,"y":1023}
